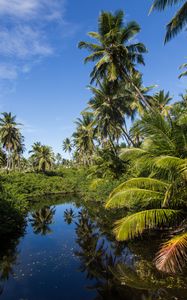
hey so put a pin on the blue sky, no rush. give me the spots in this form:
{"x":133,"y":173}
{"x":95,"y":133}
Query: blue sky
{"x":42,"y":76}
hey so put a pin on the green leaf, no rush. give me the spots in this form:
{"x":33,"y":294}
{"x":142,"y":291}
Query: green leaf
{"x":134,"y":197}
{"x":134,"y":225}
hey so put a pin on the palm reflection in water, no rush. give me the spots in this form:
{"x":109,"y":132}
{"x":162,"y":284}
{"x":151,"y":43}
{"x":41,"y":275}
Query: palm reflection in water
{"x":41,"y":220}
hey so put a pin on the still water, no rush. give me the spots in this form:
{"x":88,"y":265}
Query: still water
{"x":67,"y":252}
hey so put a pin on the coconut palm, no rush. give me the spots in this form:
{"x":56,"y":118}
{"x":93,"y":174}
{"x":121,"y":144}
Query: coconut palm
{"x":42,"y":157}
{"x":157,"y":196}
{"x":67,"y":145}
{"x":109,"y":108}
{"x":178,"y":22}
{"x":11,"y":139}
{"x":160,"y":102}
{"x":115,"y":56}
{"x":58,"y":159}
{"x":84,"y":138}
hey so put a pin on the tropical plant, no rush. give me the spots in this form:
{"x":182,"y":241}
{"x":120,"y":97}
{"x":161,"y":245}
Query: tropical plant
{"x":184,"y":73}
{"x":178,"y":22}
{"x":42,"y":157}
{"x":109,"y":107}
{"x":83,"y":138}
{"x":11,"y":138}
{"x":115,"y":56}
{"x":156,"y":198}
{"x":160,"y":102}
{"x":67,"y":145}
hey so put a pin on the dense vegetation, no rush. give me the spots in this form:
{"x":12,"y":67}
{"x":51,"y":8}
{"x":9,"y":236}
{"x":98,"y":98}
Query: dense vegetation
{"x":145,"y":165}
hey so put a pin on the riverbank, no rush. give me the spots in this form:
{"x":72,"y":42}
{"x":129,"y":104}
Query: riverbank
{"x":20,"y":190}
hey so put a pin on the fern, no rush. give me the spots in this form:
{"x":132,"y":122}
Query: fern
{"x":134,"y":225}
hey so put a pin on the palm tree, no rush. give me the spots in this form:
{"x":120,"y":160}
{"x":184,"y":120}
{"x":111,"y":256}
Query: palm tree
{"x":84,"y":137}
{"x":160,"y":102}
{"x":115,"y":56}
{"x":58,"y":159}
{"x":67,"y":145}
{"x":178,"y":22}
{"x":11,"y":139}
{"x":157,"y":195}
{"x":109,"y":108}
{"x":42,"y":157}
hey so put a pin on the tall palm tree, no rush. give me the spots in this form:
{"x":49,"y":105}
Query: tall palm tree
{"x":109,"y":107}
{"x":178,"y":22}
{"x":42,"y":157}
{"x":84,"y":138}
{"x":115,"y":56}
{"x":10,"y":136}
{"x":67,"y":145}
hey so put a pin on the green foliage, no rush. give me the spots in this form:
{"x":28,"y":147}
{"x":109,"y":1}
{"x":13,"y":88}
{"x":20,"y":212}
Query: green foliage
{"x":135,"y":224}
{"x":178,"y":22}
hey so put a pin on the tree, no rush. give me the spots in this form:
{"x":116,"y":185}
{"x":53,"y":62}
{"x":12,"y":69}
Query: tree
{"x":109,"y":108}
{"x":115,"y":56}
{"x":67,"y":145}
{"x":156,"y":197}
{"x":84,"y":138}
{"x":58,"y":159}
{"x":42,"y":157}
{"x":178,"y":22}
{"x":11,"y":138}
{"x":160,"y":102}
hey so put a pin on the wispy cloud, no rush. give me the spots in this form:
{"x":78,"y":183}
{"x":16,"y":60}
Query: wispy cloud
{"x":24,"y":33}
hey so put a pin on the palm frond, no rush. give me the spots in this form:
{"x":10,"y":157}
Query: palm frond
{"x":135,"y":197}
{"x":142,"y":183}
{"x":132,"y":153}
{"x":177,"y":23}
{"x":134,"y":225}
{"x":161,"y":4}
{"x":168,"y":162}
{"x":172,"y":256}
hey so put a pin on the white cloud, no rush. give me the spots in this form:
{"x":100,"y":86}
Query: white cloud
{"x":31,"y":8}
{"x":8,"y":72}
{"x":23,"y":42}
{"x":24,"y":33}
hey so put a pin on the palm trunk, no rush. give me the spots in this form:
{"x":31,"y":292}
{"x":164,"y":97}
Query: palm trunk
{"x":113,"y":146}
{"x":128,"y":137}
{"x":145,"y":102}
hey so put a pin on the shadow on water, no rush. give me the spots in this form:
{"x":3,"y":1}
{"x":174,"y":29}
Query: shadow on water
{"x":112,"y":270}
{"x":12,"y":228}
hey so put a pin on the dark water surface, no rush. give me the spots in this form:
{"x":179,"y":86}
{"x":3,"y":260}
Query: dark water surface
{"x":68,"y":252}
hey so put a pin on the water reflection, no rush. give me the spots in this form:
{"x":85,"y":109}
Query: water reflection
{"x":115,"y":277}
{"x":9,"y":255}
{"x":112,"y":270}
{"x":41,"y":219}
{"x":69,"y":215}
